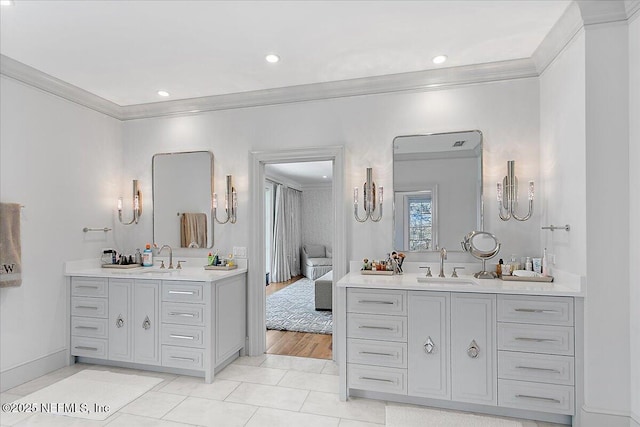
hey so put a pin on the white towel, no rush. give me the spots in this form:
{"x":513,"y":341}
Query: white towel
{"x":193,"y":230}
{"x":10,"y":248}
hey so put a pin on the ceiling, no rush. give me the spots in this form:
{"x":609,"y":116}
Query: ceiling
{"x":125,"y":51}
{"x":302,"y":174}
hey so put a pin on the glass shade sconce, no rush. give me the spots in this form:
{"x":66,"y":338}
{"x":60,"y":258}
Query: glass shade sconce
{"x":369,"y":202}
{"x":507,"y":195}
{"x":137,"y":205}
{"x":230,"y":204}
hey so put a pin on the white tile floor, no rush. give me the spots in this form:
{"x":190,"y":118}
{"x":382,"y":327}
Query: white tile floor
{"x":264,"y":391}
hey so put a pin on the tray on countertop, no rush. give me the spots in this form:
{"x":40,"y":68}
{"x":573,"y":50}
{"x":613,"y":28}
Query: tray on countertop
{"x":527,"y":279}
{"x":220,"y":267}
{"x":377,"y":272}
{"x":121,"y":266}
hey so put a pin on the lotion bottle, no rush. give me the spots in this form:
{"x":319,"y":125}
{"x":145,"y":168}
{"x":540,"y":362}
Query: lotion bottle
{"x":545,"y":263}
{"x":147,"y":257}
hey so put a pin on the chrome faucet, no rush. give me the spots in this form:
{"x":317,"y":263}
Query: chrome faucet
{"x":170,"y":254}
{"x":443,"y":256}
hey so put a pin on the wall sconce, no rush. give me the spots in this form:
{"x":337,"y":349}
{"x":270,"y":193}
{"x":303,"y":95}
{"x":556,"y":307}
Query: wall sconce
{"x":230,"y":203}
{"x":137,"y":205}
{"x":508,"y":195}
{"x":369,"y":190}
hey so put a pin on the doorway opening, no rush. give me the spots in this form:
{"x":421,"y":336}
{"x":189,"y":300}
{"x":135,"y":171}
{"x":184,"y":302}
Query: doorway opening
{"x":298,"y":258}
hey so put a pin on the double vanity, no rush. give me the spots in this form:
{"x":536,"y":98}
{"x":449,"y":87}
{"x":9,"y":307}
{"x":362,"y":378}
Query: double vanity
{"x":187,"y":321}
{"x":505,"y":348}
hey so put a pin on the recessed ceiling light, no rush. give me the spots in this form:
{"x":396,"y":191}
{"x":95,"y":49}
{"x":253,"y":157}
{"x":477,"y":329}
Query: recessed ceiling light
{"x":439,"y":59}
{"x":272,"y":58}
{"x":6,"y":3}
{"x":163,"y":93}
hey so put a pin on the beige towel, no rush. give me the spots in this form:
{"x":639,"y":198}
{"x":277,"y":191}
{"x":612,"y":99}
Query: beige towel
{"x":193,"y":230}
{"x":10,"y":250}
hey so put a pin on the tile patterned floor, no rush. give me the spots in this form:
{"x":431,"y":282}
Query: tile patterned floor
{"x":264,"y":391}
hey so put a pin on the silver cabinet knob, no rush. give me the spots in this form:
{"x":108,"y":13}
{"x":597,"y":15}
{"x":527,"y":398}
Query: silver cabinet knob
{"x":146,"y":324}
{"x":429,"y":346}
{"x":474,"y":350}
{"x":120,"y":321}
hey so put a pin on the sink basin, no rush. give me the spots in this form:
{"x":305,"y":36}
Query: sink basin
{"x":447,"y":280}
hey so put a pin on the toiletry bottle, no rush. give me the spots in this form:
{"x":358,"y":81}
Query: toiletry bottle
{"x":528,"y":264}
{"x":545,"y":263}
{"x":210,"y":259}
{"x":138,"y":259}
{"x":499,"y":267}
{"x":514,"y":264}
{"x":215,"y":259}
{"x":147,"y":257}
{"x":230,"y":260}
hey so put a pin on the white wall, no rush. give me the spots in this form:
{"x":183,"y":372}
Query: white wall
{"x":506,"y":112}
{"x":62,"y":162}
{"x":634,"y":211}
{"x":317,"y":215}
{"x":607,"y":350}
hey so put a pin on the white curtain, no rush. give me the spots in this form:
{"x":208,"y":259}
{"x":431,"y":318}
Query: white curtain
{"x":287,"y":234}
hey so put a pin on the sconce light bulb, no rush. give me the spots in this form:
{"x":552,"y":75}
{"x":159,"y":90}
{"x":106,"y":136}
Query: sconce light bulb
{"x":215,"y":201}
{"x":381,"y":198}
{"x":234,"y":198}
{"x":120,"y":204}
{"x":531,"y":190}
{"x":499,"y":192}
{"x":136,"y":203}
{"x":355,"y":194}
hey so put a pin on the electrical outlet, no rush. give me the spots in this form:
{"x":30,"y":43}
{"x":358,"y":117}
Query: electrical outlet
{"x":239,"y":251}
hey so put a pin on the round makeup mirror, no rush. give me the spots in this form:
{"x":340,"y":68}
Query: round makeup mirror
{"x":483,"y":246}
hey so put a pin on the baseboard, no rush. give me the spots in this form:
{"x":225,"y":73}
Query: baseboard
{"x":31,"y":370}
{"x":597,"y":417}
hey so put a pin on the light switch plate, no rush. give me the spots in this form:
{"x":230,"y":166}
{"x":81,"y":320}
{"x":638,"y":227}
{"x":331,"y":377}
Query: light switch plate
{"x":240,"y":251}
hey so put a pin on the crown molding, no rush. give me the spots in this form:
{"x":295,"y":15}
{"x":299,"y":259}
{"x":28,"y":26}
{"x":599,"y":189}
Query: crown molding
{"x":600,"y":12}
{"x":18,"y":71}
{"x":632,"y":7}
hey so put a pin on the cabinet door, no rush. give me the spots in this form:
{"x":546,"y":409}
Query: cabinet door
{"x":146,"y":326}
{"x":230,"y":315}
{"x":428,"y":345}
{"x":473,"y":348}
{"x":120,"y":332}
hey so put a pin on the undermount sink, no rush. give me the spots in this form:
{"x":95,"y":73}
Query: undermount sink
{"x":447,"y":280}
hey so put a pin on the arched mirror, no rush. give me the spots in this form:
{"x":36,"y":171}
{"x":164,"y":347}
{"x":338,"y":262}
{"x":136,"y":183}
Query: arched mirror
{"x":437,"y":189}
{"x":483,"y":246}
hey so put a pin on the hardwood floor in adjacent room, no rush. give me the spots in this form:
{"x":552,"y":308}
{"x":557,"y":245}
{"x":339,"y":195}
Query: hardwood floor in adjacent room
{"x":301,"y":344}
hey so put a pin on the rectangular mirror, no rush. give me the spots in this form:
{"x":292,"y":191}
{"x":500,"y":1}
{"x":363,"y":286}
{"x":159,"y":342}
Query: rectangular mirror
{"x":182,"y":194}
{"x":437,"y":190}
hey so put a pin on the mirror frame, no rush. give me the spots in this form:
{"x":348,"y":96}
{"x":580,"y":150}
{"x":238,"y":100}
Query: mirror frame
{"x":210,"y":219}
{"x":480,"y":207}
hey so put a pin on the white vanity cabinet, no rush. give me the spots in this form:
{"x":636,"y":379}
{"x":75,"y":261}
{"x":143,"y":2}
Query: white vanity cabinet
{"x":479,"y":351}
{"x":184,"y":326}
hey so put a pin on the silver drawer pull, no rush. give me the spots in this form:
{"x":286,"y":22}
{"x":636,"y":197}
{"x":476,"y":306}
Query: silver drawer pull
{"x":183,"y":337}
{"x":183,"y":292}
{"x":378,"y":354}
{"x":535,"y":339}
{"x":533,"y":368}
{"x":87,"y":327}
{"x":87,"y":286}
{"x":82,"y":347}
{"x":535,"y":310}
{"x":182,"y":314}
{"x":386,"y":328}
{"x":377,"y":379}
{"x":88,"y":307}
{"x":190,"y":359}
{"x":547,"y":399}
{"x":364,"y":301}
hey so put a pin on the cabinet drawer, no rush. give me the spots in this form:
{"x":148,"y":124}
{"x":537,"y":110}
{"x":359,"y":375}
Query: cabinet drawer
{"x":534,"y":309}
{"x":181,"y":357}
{"x":89,"y":307}
{"x":535,"y":338}
{"x":89,"y":347}
{"x":375,"y":378}
{"x":378,"y":353}
{"x":185,"y":336}
{"x":183,"y":314}
{"x":182,"y":291}
{"x":542,"y":368}
{"x":377,"y":327}
{"x":89,"y":287}
{"x":558,"y":399}
{"x":376,"y":301}
{"x":89,"y":327}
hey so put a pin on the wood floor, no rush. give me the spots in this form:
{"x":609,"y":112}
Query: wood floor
{"x":301,"y":344}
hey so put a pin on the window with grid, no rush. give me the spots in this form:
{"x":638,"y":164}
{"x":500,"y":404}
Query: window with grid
{"x":420,"y":222}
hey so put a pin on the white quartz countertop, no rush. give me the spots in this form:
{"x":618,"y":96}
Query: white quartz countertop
{"x":566,"y":286}
{"x":91,"y":268}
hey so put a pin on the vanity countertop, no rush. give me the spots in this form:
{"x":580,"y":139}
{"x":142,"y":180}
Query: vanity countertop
{"x":563,"y":285}
{"x":91,"y":268}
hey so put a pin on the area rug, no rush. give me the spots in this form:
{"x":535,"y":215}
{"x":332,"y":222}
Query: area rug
{"x":407,"y":416}
{"x":89,"y":394}
{"x":293,"y":309}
